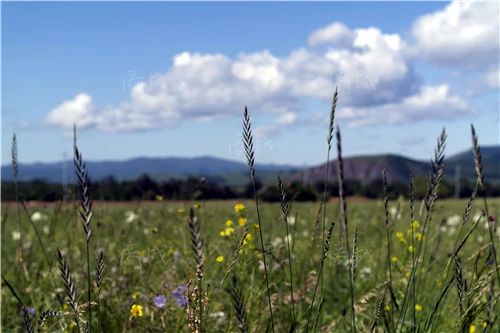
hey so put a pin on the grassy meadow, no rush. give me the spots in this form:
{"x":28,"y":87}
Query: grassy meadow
{"x":147,"y":251}
{"x":340,"y":265}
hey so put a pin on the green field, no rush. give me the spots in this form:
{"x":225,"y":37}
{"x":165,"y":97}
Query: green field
{"x":147,"y":251}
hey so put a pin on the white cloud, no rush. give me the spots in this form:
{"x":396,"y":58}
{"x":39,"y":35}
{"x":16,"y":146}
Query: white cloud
{"x":464,"y":33}
{"x":492,"y":77}
{"x":78,"y":110}
{"x":430,"y":102}
{"x":335,"y":33}
{"x":371,"y":69}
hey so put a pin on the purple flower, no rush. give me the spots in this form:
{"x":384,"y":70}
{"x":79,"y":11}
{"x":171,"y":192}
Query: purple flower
{"x":159,"y":301}
{"x":178,"y":295}
{"x":29,"y":310}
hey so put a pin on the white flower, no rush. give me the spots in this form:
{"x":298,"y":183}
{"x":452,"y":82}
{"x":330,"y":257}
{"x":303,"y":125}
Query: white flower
{"x":365,"y":271}
{"x":277,"y":242}
{"x":480,"y":239}
{"x":16,"y":235}
{"x":130,"y":216}
{"x":443,"y":228}
{"x":37,"y":216}
{"x":291,"y":220}
{"x":289,"y":239}
{"x":305,"y":233}
{"x":46,"y":229}
{"x":453,"y":221}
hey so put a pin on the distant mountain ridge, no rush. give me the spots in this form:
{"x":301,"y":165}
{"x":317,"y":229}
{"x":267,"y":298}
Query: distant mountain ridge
{"x":398,"y":168}
{"x":229,"y":172}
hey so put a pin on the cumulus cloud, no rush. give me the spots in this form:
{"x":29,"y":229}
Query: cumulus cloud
{"x":371,"y":68}
{"x":78,"y":110}
{"x":430,"y":102}
{"x":463,"y":33}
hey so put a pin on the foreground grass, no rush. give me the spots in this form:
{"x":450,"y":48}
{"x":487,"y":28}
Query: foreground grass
{"x":148,"y":254}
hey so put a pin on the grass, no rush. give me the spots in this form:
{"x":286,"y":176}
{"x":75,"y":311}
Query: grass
{"x":152,"y":255}
{"x":164,"y":267}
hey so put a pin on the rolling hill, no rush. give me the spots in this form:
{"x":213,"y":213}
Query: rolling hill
{"x":222,"y":171}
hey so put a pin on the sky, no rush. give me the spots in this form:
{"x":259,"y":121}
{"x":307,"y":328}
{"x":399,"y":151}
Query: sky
{"x":172,"y":78}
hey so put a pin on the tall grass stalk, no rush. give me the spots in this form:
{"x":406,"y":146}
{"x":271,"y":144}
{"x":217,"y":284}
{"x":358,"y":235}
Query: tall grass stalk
{"x":85,"y":214}
{"x":343,"y":213}
{"x":412,"y":219}
{"x":429,"y":202}
{"x":285,"y":209}
{"x":388,"y":235}
{"x":250,"y":155}
{"x":327,"y":172}
{"x":479,"y":171}
{"x":326,"y":249}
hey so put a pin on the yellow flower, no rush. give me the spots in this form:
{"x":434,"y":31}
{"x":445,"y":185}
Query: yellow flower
{"x":239,"y":208}
{"x":196,"y":206}
{"x":136,"y":310}
{"x":419,"y":236}
{"x":411,"y":249}
{"x":242,"y":221}
{"x":219,"y":259}
{"x":143,"y":253}
{"x":159,"y":197}
{"x":248,"y":238}
{"x":255,"y":226}
{"x":415,"y":225}
{"x":222,"y":233}
{"x":181,"y":211}
{"x":401,"y":237}
{"x":229,"y":223}
{"x":484,"y":323}
{"x":472,"y":328}
{"x":394,"y":259}
{"x":418,"y":307}
{"x":387,"y":308}
{"x":136,"y":294}
{"x":229,"y":231}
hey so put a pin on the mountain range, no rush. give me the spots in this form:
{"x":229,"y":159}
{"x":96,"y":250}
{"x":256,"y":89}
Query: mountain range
{"x":222,"y":171}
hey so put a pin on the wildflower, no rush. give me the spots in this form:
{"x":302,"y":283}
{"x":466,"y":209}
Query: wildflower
{"x":130,"y":216}
{"x":136,"y":310}
{"x":255,"y":226}
{"x":239,"y":208}
{"x":136,"y":294}
{"x":419,"y":236}
{"x":178,"y":295}
{"x":453,"y":221}
{"x":37,"y":216}
{"x":181,"y":211}
{"x":418,"y":307}
{"x":472,"y":328}
{"x":46,"y":230}
{"x":401,"y":237}
{"x":290,"y":220}
{"x":159,"y":197}
{"x":242,"y":221}
{"x":30,"y":310}
{"x":219,"y":259}
{"x":411,"y":249}
{"x":229,"y":223}
{"x":415,"y":225}
{"x":197,"y":206}
{"x":16,"y":235}
{"x":387,"y":308}
{"x":222,"y":233}
{"x":159,"y":301}
{"x":394,"y":259}
{"x":277,"y":242}
{"x":229,"y":231}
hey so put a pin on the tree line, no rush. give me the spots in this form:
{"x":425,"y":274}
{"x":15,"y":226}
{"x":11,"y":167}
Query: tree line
{"x":146,"y":188}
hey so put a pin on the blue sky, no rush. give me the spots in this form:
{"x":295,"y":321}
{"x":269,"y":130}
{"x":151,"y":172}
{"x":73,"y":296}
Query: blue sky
{"x":172,"y":79}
